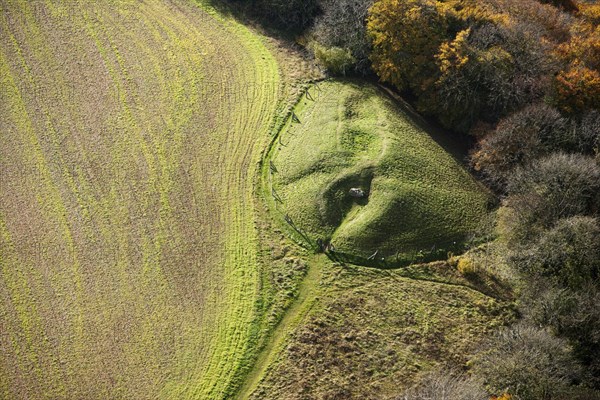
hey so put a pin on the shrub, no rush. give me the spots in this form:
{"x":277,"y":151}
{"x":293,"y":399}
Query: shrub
{"x":568,"y":253}
{"x":572,"y":314}
{"x":336,"y":60}
{"x":466,"y":267}
{"x":528,"y":363}
{"x":446,"y":385}
{"x":588,"y":133}
{"x":554,"y":187}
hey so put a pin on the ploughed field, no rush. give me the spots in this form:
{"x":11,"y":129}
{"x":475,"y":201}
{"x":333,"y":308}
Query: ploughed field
{"x":129,"y":136}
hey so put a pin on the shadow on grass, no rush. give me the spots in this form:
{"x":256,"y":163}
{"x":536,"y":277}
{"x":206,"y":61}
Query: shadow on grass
{"x":397,"y":261}
{"x":245,"y":13}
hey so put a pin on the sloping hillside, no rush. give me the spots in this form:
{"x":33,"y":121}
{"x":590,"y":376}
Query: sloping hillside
{"x":414,"y":197}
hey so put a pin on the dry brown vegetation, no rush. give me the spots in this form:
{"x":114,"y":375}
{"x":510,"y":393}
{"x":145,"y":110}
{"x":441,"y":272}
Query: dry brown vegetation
{"x":373,"y":332}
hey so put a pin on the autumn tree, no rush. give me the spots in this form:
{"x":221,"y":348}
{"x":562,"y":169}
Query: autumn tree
{"x":590,"y":11}
{"x":578,"y":89}
{"x":471,"y":80}
{"x":486,"y":72}
{"x":464,"y":60}
{"x":406,"y":36}
{"x":577,"y":86}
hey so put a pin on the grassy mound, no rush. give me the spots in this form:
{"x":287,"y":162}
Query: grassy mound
{"x":346,"y":135}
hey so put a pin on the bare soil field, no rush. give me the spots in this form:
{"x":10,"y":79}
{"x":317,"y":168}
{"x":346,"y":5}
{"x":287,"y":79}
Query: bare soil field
{"x":129,"y":139}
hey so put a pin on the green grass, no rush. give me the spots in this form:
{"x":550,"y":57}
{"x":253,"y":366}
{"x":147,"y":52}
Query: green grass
{"x":303,"y":299}
{"x":355,"y":332}
{"x":352,"y":135}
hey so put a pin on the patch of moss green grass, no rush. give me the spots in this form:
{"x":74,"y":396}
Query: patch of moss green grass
{"x":420,"y":201}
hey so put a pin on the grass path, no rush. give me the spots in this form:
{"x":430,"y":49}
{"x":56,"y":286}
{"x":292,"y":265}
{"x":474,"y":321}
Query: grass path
{"x":130,"y":138}
{"x":294,"y":315}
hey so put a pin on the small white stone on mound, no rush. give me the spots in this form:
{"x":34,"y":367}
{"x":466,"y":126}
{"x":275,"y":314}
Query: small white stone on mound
{"x":357,"y":192}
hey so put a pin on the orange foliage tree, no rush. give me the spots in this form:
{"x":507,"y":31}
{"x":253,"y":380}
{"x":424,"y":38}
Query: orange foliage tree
{"x":504,"y":396}
{"x":578,"y":83}
{"x":463,"y":59}
{"x":578,"y":89}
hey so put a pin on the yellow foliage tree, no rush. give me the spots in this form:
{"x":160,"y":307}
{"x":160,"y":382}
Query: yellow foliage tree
{"x":590,"y":12}
{"x":504,"y":396}
{"x":454,"y":54}
{"x":578,"y":84}
{"x":583,"y":47}
{"x":406,"y":36}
